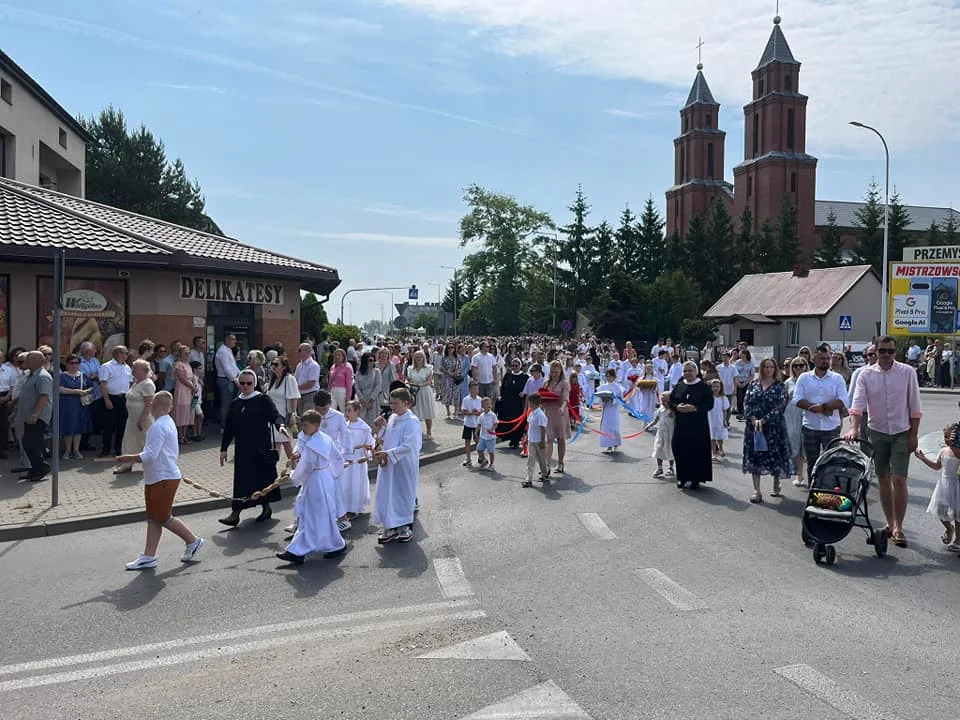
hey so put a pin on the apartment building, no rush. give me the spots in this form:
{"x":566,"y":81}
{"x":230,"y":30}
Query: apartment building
{"x":40,"y":142}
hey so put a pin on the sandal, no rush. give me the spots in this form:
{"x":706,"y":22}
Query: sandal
{"x":899,"y":539}
{"x":797,"y":482}
{"x":560,"y":468}
{"x":756,"y":498}
{"x":947,"y":538}
{"x":776,"y":490}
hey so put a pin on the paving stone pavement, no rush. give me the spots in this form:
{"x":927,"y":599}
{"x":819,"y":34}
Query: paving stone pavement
{"x":92,"y":496}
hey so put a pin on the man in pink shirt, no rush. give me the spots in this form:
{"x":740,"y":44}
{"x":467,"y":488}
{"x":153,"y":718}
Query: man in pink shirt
{"x":889,"y":393}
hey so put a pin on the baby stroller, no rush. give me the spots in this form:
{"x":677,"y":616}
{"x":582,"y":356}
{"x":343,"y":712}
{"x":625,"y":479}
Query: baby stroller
{"x":837,"y":501}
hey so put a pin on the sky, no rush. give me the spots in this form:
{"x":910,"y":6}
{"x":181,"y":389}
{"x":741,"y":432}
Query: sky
{"x":344,"y":131}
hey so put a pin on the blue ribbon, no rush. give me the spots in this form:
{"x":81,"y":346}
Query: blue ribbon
{"x":631,"y":411}
{"x":578,"y":433}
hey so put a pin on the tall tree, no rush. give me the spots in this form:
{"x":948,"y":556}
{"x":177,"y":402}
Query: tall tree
{"x":675,"y":254}
{"x":627,"y":237}
{"x":652,"y":246}
{"x":829,"y":254}
{"x":898,"y":221}
{"x":720,"y":240}
{"x":312,"y":317}
{"x":579,"y":250}
{"x":950,"y":228}
{"x":129,"y":170}
{"x":768,"y":257}
{"x":745,"y":256}
{"x":605,"y":242}
{"x":788,"y":240}
{"x":869,"y":225}
{"x":500,"y":226}
{"x":933,"y":235}
{"x":702,"y":257}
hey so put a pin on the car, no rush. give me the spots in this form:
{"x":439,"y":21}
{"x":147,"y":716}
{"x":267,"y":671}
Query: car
{"x":691,"y":352}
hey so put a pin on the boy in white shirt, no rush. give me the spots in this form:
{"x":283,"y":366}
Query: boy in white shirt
{"x":487,"y":423}
{"x":728,"y":376}
{"x":161,"y":478}
{"x":536,"y":440}
{"x":470,"y":408}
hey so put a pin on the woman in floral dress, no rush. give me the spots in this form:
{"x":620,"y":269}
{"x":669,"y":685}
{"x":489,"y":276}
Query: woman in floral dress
{"x":450,"y":369}
{"x":764,"y":404}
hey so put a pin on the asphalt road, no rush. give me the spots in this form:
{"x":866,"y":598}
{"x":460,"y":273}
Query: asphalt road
{"x":607,"y":595}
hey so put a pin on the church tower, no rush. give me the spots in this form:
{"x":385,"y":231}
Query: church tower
{"x":776,"y":167}
{"x":698,"y":159}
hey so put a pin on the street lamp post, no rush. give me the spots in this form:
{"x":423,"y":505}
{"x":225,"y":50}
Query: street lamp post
{"x":556,"y":241}
{"x":456,"y":291}
{"x":886,"y":224}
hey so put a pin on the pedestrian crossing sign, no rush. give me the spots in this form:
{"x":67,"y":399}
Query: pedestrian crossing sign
{"x":846,"y":323}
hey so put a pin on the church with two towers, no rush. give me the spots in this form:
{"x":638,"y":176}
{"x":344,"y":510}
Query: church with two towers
{"x":776,"y":167}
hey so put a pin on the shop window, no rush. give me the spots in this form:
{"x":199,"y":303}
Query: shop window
{"x":756,"y":134}
{"x":791,"y":129}
{"x":710,"y":160}
{"x":63,"y":138}
{"x":793,"y":330}
{"x":6,"y":92}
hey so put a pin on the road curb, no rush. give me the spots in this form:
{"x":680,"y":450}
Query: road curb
{"x":125,"y":517}
{"x":939,"y":391}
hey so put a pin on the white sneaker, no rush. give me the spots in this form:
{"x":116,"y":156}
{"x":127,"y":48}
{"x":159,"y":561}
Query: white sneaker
{"x":67,"y":456}
{"x":344,"y":525}
{"x":143,"y":562}
{"x":191,"y":550}
{"x":291,"y":528}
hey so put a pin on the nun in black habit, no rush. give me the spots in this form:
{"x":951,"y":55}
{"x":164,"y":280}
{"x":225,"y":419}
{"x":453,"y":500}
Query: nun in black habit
{"x":690,"y":401}
{"x":249,"y":420}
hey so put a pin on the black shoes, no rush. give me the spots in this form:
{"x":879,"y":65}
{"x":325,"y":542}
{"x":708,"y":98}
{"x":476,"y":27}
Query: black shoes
{"x":231,"y":520}
{"x":291,"y":558}
{"x":265,"y":514}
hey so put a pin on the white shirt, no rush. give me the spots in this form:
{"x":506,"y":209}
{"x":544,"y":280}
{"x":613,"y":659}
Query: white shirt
{"x":117,"y":376}
{"x":817,"y":391}
{"x":200,"y":357}
{"x":160,"y":452}
{"x":728,"y":376}
{"x":676,"y":373}
{"x":483,"y":364}
{"x":913,"y":352}
{"x":8,"y":377}
{"x":308,"y":373}
{"x":226,"y":364}
{"x":536,"y":426}
{"x":470,"y":404}
{"x":488,"y":424}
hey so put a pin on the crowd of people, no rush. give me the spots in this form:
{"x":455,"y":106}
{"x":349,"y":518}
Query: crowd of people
{"x":333,"y":409}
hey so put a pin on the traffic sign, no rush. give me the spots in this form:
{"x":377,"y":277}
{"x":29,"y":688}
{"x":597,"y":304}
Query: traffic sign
{"x":846,"y":323}
{"x":413,"y":293}
{"x":567,"y":326}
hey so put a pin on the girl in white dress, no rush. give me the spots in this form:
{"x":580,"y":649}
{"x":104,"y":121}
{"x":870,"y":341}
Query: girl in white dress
{"x":610,"y":439}
{"x":355,"y":482}
{"x":663,"y":420}
{"x":718,"y":428}
{"x":945,"y":501}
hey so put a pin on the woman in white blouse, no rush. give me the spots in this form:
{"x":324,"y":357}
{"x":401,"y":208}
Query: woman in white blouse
{"x":284,"y":392}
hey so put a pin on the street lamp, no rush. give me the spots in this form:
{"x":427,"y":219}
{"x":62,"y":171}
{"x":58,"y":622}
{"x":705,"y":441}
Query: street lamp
{"x":556,"y":241}
{"x":886,"y":223}
{"x":456,"y":291}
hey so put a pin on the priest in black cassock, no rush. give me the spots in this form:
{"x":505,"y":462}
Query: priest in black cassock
{"x":690,"y":401}
{"x":249,"y":420}
{"x":510,"y":406}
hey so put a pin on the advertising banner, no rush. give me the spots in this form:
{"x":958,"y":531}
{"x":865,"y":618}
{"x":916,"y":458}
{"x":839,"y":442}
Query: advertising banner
{"x":923,"y":298}
{"x":4,"y":313}
{"x":93,"y":310}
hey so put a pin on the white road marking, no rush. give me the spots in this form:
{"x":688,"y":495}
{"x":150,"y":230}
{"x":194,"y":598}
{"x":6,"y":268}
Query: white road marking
{"x":542,"y":702}
{"x":453,"y":581}
{"x":827,"y":691}
{"x":596,"y":526}
{"x":675,"y":594}
{"x":287,"y":627}
{"x":498,"y":646}
{"x":231,"y":650}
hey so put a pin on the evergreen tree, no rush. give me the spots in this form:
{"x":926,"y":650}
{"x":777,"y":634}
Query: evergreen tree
{"x":933,"y":236}
{"x":605,"y":242}
{"x":788,"y":241}
{"x":745,"y":257}
{"x":768,"y":256}
{"x":579,"y":250}
{"x":720,"y":239}
{"x":950,"y":229}
{"x":829,"y":254}
{"x":628,"y":244}
{"x":675,"y":254}
{"x":652,"y":247}
{"x":869,"y":226}
{"x":898,"y":221}
{"x":701,"y":258}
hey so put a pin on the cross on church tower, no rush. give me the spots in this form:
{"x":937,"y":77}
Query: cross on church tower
{"x":700,"y":45}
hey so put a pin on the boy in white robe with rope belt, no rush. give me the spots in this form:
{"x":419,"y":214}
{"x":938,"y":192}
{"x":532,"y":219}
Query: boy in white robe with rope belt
{"x":317,"y":465}
{"x":398,"y":474}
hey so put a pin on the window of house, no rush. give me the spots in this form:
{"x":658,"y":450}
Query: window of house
{"x":63,"y":138}
{"x":793,"y":330}
{"x":756,"y":134}
{"x":710,"y":160}
{"x":793,"y":182}
{"x":6,"y":91}
{"x":788,"y":83}
{"x":750,"y":186}
{"x":791,"y":128}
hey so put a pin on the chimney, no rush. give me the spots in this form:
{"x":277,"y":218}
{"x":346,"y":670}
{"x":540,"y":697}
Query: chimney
{"x":801,"y":271}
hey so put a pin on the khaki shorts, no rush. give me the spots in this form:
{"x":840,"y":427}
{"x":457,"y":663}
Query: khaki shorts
{"x":891,"y":453}
{"x":159,"y":497}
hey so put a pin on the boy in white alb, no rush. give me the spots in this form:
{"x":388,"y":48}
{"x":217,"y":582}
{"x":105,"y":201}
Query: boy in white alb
{"x":610,"y":438}
{"x":487,"y":424}
{"x":398,"y":473}
{"x":470,"y":408}
{"x":334,"y":425}
{"x":536,"y":440}
{"x":660,"y":369}
{"x":355,"y":481}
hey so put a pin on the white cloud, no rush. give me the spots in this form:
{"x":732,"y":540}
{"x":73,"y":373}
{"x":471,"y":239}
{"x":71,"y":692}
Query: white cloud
{"x":367,"y":237}
{"x":194,"y":88}
{"x":631,"y":114}
{"x":432,"y":216}
{"x":890,"y":63}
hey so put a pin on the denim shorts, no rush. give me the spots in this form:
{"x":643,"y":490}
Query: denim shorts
{"x":488,"y":446}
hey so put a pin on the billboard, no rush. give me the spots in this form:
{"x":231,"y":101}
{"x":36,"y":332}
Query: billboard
{"x":923,"y":298}
{"x":94,"y":310}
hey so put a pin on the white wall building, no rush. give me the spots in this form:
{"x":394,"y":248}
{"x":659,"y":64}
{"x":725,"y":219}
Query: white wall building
{"x":40,"y":142}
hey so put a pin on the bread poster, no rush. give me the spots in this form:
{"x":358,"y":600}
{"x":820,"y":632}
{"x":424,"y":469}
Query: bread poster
{"x":93,"y":311}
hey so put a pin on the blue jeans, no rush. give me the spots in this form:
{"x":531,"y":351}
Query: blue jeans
{"x":228,"y":390}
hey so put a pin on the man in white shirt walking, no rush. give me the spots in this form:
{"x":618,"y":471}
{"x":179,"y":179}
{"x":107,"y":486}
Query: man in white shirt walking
{"x":227,"y":373}
{"x":161,"y":478}
{"x":482,"y":366}
{"x":821,"y":394}
{"x":308,"y":378}
{"x":115,"y":377}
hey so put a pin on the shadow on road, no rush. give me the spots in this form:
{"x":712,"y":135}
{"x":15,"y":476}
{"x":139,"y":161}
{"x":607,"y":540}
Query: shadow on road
{"x":140,"y":591}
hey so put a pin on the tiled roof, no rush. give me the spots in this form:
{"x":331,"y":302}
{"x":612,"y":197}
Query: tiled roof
{"x":846,"y":212}
{"x":192,"y":242}
{"x":777,"y":49}
{"x":700,"y":92}
{"x":783,"y":294}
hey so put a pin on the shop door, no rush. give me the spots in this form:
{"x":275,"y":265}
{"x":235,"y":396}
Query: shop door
{"x":746,"y":335}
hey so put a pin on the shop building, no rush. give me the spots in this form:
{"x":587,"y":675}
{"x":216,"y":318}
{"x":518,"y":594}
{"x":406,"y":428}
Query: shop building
{"x":130,"y":277}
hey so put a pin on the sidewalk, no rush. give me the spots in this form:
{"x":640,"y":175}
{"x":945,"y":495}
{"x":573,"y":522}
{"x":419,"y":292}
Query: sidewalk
{"x":91,"y":496}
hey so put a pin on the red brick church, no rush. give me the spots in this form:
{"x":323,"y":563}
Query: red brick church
{"x":775,"y":167}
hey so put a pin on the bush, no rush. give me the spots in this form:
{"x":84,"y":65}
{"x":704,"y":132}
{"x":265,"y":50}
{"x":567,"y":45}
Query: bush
{"x":342,"y":333}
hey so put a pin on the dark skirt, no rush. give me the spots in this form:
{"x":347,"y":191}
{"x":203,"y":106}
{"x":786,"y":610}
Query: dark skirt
{"x":691,"y":449}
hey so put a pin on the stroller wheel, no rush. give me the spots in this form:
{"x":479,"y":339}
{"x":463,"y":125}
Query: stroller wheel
{"x":807,"y":540}
{"x":880,"y":543}
{"x":819,"y":553}
{"x":831,"y":555}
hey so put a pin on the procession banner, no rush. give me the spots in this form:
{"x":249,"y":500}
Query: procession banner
{"x":923,"y":298}
{"x":93,"y":310}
